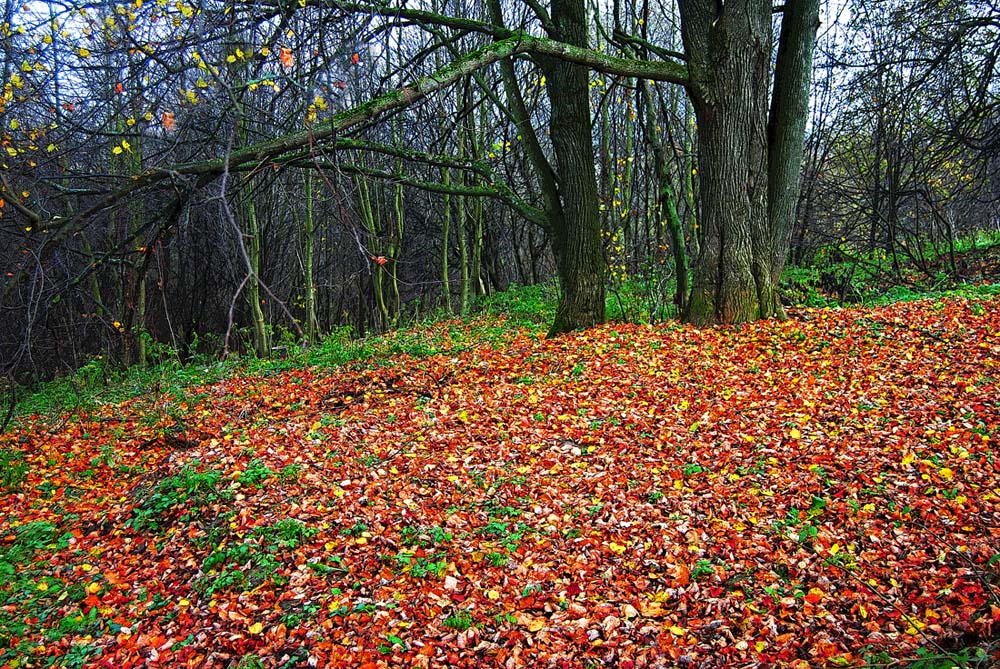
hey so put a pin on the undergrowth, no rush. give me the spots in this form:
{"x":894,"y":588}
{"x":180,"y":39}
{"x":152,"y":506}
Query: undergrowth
{"x":643,"y":297}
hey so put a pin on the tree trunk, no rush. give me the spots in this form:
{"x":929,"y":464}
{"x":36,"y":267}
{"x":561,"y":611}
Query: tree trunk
{"x":786,"y":126}
{"x":729,"y":49}
{"x":576,"y":233}
{"x":309,"y":234}
{"x":667,"y":202}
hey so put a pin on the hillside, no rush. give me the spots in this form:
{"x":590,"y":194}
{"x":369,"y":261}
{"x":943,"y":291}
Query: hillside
{"x":818,"y":492}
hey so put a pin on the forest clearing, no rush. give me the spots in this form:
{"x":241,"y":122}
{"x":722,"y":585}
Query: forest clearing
{"x":816,"y":492}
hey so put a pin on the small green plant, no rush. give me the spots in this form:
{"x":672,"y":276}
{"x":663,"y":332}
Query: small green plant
{"x":702,"y":568}
{"x":420,"y":567}
{"x":189,"y":489}
{"x":496,"y":559}
{"x":459,"y":620}
{"x":13,"y":470}
{"x":251,"y":661}
{"x":356,"y":530}
{"x":256,"y":560}
{"x":430,"y":536}
{"x":255,"y":474}
{"x":290,"y":473}
{"x":391,"y":641}
{"x":286,"y":533}
{"x":510,"y":534}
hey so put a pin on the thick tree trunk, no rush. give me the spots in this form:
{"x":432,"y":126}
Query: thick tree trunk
{"x":576,"y":233}
{"x":745,"y":233}
{"x":730,"y":67}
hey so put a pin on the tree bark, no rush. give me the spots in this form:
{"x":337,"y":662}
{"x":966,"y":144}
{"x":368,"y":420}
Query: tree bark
{"x":576,"y":233}
{"x":786,"y":126}
{"x":739,"y":138}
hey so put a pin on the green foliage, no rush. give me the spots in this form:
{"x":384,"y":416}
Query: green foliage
{"x":58,"y":601}
{"x":643,"y":297}
{"x":420,"y":566}
{"x":459,"y":620}
{"x":255,"y":560}
{"x":251,"y":661}
{"x":526,"y":306}
{"x":286,"y":533}
{"x":431,"y":536}
{"x":189,"y":489}
{"x":255,"y":474}
{"x":13,"y":470}
{"x":702,"y":568}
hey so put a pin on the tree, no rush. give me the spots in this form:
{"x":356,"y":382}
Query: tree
{"x":748,"y":151}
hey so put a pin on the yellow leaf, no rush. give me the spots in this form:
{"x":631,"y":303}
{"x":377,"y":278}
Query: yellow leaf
{"x":834,"y":549}
{"x":14,"y":124}
{"x":184,"y":602}
{"x":11,"y":151}
{"x":677,"y":631}
{"x":616,"y":548}
{"x":94,"y":588}
{"x":863,"y":611}
{"x":908,"y":459}
{"x":536,"y":624}
{"x":794,"y":433}
{"x":946,"y":473}
{"x":760,"y":646}
{"x":256,"y":628}
{"x":493,"y":595}
{"x":43,"y":586}
{"x":84,"y":52}
{"x":85,"y":567}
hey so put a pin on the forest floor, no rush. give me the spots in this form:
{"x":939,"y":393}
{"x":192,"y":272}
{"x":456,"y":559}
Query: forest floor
{"x":817,"y":492}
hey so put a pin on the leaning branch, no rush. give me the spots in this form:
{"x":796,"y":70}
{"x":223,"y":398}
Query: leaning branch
{"x":290,"y":145}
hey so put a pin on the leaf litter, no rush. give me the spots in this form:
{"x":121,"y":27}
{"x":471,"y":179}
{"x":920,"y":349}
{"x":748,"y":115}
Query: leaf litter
{"x":808,"y":493}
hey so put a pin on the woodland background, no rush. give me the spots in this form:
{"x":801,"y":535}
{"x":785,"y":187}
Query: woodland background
{"x":418,"y":211}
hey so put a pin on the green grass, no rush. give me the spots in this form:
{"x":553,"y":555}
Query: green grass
{"x":642,"y":297}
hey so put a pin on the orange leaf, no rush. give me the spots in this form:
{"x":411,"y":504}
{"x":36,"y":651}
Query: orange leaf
{"x":168,"y":121}
{"x":287,"y":58}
